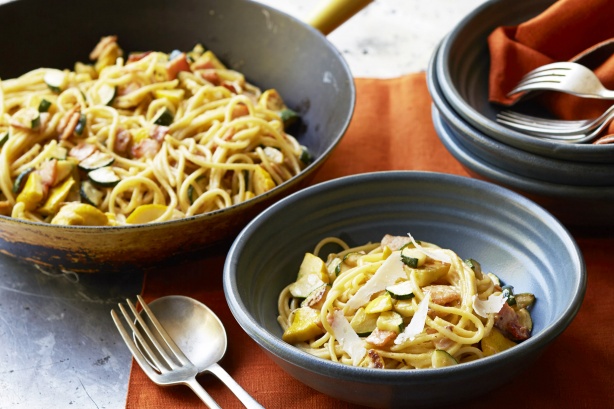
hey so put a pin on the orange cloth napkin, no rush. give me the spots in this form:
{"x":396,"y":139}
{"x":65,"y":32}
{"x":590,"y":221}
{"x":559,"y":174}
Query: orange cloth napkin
{"x":392,"y":129}
{"x":562,"y":32}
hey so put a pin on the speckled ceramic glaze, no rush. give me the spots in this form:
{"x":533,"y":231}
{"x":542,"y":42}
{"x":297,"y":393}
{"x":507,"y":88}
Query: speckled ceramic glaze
{"x":462,"y":69}
{"x":272,"y":49}
{"x":509,"y":234}
{"x":510,"y":158}
{"x":580,"y":194}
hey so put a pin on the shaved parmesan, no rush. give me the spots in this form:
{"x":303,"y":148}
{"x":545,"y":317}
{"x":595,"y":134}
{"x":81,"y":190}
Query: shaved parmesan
{"x":387,"y":274}
{"x":492,"y":305}
{"x":435,"y":254}
{"x":416,"y":325}
{"x":348,"y":338}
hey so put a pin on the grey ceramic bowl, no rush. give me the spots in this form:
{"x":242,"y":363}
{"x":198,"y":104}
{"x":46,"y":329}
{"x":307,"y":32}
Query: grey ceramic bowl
{"x":576,"y":206}
{"x":507,"y":157}
{"x":507,"y":233}
{"x":462,"y":71}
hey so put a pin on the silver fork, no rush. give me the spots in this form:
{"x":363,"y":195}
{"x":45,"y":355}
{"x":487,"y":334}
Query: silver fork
{"x":172,"y":367}
{"x":572,"y":130}
{"x":568,"y":77}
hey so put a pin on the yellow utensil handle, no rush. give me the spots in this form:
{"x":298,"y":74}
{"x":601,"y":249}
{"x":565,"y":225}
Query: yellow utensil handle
{"x":332,"y":13}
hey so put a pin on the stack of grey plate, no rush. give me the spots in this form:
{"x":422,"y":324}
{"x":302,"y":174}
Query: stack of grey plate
{"x":575,"y":182}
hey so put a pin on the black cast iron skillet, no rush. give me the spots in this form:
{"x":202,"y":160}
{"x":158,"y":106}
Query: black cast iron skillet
{"x":272,"y":49}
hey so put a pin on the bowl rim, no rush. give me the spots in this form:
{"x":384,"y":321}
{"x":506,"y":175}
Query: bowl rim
{"x":296,"y":357}
{"x":491,"y":127}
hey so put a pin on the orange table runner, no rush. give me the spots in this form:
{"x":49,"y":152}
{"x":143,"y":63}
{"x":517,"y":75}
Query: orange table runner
{"x":392,"y":130}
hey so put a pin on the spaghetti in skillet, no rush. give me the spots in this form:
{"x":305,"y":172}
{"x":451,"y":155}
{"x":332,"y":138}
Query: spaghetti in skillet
{"x":141,"y":138}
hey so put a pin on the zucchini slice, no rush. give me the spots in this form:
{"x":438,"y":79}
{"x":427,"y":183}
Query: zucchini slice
{"x":390,"y":321}
{"x":364,"y":323}
{"x":106,"y":94}
{"x":44,"y":105}
{"x":441,"y":358}
{"x":28,"y":119}
{"x":476,"y":267}
{"x":164,"y":117}
{"x":306,"y":156}
{"x":288,"y":117}
{"x":81,"y":125}
{"x":90,"y":194}
{"x":3,"y":138}
{"x":104,"y":176}
{"x":412,"y":257}
{"x":55,"y":80}
{"x":21,"y":180}
{"x":96,"y":160}
{"x":524,"y":300}
{"x":401,"y":291}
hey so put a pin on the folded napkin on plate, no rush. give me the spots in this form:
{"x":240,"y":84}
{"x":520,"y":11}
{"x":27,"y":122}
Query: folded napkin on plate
{"x":391,"y":129}
{"x":563,"y":32}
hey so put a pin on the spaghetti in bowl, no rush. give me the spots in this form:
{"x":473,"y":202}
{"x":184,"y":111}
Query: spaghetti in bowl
{"x":508,"y":234}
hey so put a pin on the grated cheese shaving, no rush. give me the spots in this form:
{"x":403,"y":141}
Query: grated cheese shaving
{"x":416,"y":325}
{"x":387,"y":274}
{"x":493,"y":304}
{"x":435,"y":254}
{"x":348,"y":338}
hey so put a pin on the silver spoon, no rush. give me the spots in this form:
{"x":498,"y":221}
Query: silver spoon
{"x":200,"y":334}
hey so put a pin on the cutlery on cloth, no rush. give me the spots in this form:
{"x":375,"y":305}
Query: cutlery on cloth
{"x":576,"y":131}
{"x":568,"y":77}
{"x":174,"y":339}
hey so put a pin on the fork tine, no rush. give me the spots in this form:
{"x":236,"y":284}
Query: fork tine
{"x":172,"y":346}
{"x":136,"y":353}
{"x":561,"y":65}
{"x":559,"y":72}
{"x":517,"y":117}
{"x":161,"y":359}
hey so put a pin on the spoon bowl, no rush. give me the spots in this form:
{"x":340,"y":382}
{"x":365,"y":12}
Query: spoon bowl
{"x":200,"y":335}
{"x":196,"y":330}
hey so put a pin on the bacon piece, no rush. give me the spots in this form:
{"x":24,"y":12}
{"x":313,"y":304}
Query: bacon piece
{"x":102,"y":44}
{"x":69,"y":122}
{"x":123,"y":139}
{"x":48,"y":172}
{"x":210,"y":75}
{"x":394,"y":242}
{"x":82,"y":151}
{"x":134,"y":57}
{"x":442,"y":294}
{"x":443,"y":342}
{"x":231,"y":87}
{"x":239,"y":110}
{"x":381,"y":338}
{"x":508,"y":322}
{"x":128,"y":88}
{"x":176,"y":65}
{"x":146,"y":148}
{"x":158,"y":132}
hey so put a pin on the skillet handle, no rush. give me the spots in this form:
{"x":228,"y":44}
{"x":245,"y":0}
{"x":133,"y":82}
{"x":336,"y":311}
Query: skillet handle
{"x":330,"y":14}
